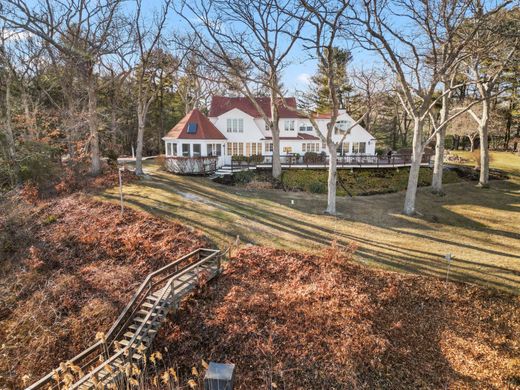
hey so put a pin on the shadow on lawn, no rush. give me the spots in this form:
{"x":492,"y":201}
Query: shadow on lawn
{"x":301,"y":231}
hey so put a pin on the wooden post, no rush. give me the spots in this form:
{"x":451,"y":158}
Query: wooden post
{"x":219,"y":376}
{"x":121,"y":191}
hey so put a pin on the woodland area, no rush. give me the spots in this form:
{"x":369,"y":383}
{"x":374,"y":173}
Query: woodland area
{"x":82,"y":81}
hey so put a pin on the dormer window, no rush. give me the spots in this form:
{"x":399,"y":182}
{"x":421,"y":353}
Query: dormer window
{"x":289,"y":125}
{"x":192,"y":128}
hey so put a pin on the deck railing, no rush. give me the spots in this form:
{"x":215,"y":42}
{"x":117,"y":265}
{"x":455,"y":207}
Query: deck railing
{"x":313,"y":161}
{"x":191,"y":165}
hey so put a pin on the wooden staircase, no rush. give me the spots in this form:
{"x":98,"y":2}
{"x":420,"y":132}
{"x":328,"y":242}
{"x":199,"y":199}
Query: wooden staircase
{"x":127,"y":343}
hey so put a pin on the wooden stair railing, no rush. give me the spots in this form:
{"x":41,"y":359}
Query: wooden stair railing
{"x":131,"y":332}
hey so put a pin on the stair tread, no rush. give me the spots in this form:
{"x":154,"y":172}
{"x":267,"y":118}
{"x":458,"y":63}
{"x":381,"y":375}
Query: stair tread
{"x":154,"y":312}
{"x":138,"y":337}
{"x":136,"y":326}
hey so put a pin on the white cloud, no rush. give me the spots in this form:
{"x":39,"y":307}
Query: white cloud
{"x":304,"y":78}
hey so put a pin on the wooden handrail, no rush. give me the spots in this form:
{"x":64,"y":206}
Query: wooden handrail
{"x":159,"y":302}
{"x":101,"y":347}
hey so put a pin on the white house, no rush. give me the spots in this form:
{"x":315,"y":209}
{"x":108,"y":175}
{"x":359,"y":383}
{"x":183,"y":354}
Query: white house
{"x":234,"y":127}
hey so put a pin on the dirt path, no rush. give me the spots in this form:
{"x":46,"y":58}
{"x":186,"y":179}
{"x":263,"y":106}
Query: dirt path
{"x":480,"y":228}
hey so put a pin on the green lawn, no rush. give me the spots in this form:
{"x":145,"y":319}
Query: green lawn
{"x":479,"y":227}
{"x":505,"y":161}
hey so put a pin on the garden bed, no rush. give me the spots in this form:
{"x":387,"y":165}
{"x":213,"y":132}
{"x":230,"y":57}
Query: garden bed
{"x":353,"y":182}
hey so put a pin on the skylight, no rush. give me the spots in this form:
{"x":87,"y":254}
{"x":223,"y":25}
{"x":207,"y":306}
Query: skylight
{"x":192,"y":128}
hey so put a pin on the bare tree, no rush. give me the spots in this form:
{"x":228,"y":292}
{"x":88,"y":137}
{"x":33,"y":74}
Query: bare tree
{"x":369,"y":86}
{"x":7,"y":71}
{"x":147,"y":39}
{"x":324,"y":21}
{"x":84,"y":31}
{"x":420,"y":54}
{"x":248,"y":43}
{"x":487,"y":58}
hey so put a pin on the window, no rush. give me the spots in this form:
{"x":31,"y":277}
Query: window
{"x":192,"y":128}
{"x":341,"y":127}
{"x":311,"y":147}
{"x":269,"y":147}
{"x":323,"y":145}
{"x":235,"y":125}
{"x":287,"y":149}
{"x":214,"y":150}
{"x":306,"y":127}
{"x":289,"y":125}
{"x":359,"y":147}
{"x":235,"y":148}
{"x":196,"y":150}
{"x":186,"y":150}
{"x":168,"y":149}
{"x":345,"y":148}
{"x":173,"y":151}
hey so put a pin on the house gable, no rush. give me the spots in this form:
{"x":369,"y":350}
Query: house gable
{"x":245,"y":125}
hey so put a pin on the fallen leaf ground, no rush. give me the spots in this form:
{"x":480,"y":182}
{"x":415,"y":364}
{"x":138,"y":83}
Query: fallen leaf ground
{"x":307,"y":322}
{"x":68,"y":266}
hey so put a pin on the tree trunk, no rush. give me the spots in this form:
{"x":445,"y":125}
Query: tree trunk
{"x":413,"y":178}
{"x":114,"y":127}
{"x":275,"y":131}
{"x":440,"y":137}
{"x":160,"y":143}
{"x":92,"y":124}
{"x":30,"y":131}
{"x":509,"y":125}
{"x":484,"y":145}
{"x":438,"y":165}
{"x":141,"y":119}
{"x":332,"y":179}
{"x":8,"y":120}
{"x":471,"y":143}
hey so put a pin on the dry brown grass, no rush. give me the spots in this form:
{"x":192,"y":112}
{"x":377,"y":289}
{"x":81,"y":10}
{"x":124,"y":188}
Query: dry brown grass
{"x":308,"y":322}
{"x":67,"y":268}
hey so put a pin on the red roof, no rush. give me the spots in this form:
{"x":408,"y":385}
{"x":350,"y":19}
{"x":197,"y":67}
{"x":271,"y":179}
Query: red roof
{"x":322,"y":116}
{"x":223,"y":104}
{"x":299,"y":137}
{"x":204,"y":128}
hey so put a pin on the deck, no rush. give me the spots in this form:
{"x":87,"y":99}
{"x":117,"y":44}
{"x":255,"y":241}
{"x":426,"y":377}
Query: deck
{"x":241,"y":164}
